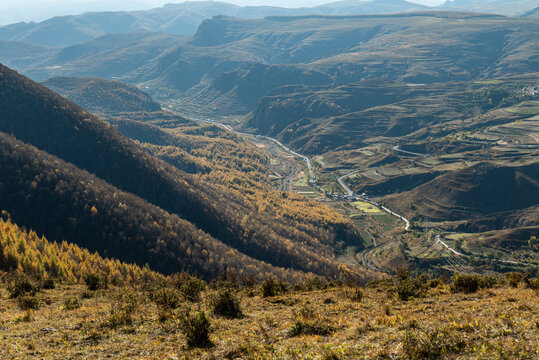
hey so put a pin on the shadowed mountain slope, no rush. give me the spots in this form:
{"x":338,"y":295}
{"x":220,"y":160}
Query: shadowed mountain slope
{"x":66,"y":203}
{"x":37,"y":116}
{"x":479,"y":192}
{"x":102,"y":96}
{"x":108,"y":56}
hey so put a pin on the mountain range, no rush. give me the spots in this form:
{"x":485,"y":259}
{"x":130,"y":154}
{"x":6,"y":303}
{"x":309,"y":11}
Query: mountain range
{"x":417,"y":106}
{"x":185,"y":18}
{"x":182,"y":19}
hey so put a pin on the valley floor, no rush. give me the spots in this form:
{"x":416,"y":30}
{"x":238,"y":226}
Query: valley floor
{"x":333,"y":323}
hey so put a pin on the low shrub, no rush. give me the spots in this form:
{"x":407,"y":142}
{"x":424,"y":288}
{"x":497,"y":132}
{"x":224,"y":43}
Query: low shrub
{"x":355,"y":295}
{"x":95,"y":282}
{"x":513,"y":278}
{"x":364,"y":328}
{"x":122,"y":311}
{"x":29,"y":302}
{"x":21,"y":287}
{"x":272,"y":287}
{"x":189,"y":286}
{"x":226,"y":304}
{"x":465,"y":283}
{"x":166,"y":298}
{"x":488,"y":282}
{"x":27,"y":317}
{"x":406,"y":287}
{"x":332,"y":355}
{"x":531,"y":283}
{"x":71,"y":303}
{"x":48,"y":284}
{"x":313,"y":283}
{"x":86,"y":295}
{"x":228,"y":279}
{"x":410,"y":324}
{"x":249,"y":281}
{"x":196,"y":328}
{"x":468,"y":284}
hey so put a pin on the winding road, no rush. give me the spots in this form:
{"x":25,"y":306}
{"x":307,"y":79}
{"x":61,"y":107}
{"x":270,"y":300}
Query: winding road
{"x":367,"y":253}
{"x":285,"y":148}
{"x":280,"y":144}
{"x":347,"y":190}
{"x":397,"y":148}
{"x":286,"y":179}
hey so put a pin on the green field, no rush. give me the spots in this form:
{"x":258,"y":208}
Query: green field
{"x":366,"y":207}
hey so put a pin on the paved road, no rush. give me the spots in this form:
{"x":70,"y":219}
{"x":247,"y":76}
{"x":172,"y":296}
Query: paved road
{"x":397,"y":148}
{"x":349,"y":192}
{"x":287,"y":178}
{"x":284,"y":147}
{"x":440,"y":241}
{"x":344,"y":186}
{"x":407,"y":227}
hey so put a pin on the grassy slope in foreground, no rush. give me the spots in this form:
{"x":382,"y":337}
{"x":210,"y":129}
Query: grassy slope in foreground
{"x":499,"y":322}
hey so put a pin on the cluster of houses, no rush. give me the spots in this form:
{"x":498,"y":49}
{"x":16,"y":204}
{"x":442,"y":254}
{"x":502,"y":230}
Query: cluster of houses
{"x":349,"y":197}
{"x":530,"y":90}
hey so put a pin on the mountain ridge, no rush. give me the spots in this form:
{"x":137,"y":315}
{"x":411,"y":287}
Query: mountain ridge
{"x":94,"y":146}
{"x":178,"y":19}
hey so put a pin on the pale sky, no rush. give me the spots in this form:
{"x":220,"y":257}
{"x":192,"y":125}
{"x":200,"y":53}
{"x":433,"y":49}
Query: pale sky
{"x":12,"y":11}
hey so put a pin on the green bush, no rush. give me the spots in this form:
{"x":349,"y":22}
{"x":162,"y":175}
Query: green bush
{"x":271,"y":287}
{"x":166,"y":299}
{"x":122,"y":311}
{"x":95,"y":282}
{"x":471,"y":283}
{"x":465,"y":283}
{"x":406,"y":287}
{"x":29,"y":302}
{"x":227,"y":304}
{"x":487,"y":282}
{"x":22,"y":286}
{"x":190,"y":286}
{"x":71,"y":303}
{"x":196,"y":328}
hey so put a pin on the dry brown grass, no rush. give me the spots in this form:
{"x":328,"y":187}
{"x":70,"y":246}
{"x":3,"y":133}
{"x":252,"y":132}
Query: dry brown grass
{"x":494,"y":323}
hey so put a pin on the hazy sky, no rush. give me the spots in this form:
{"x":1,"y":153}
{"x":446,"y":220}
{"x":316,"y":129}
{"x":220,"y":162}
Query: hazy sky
{"x":12,"y":11}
